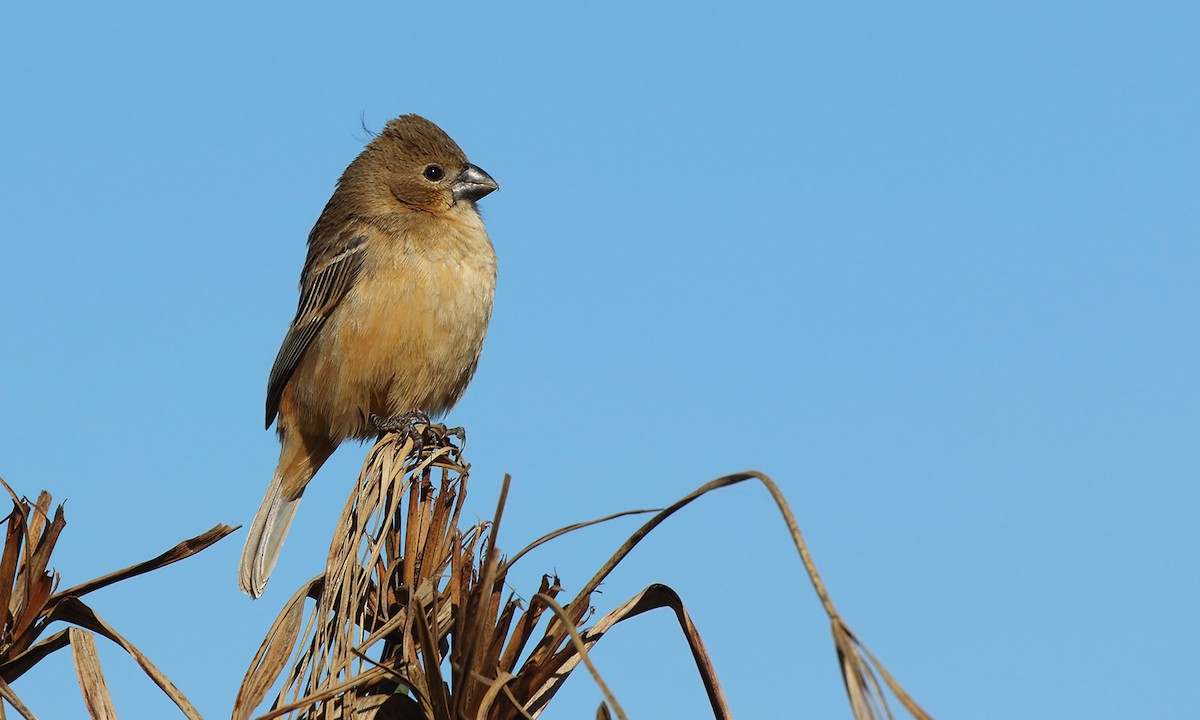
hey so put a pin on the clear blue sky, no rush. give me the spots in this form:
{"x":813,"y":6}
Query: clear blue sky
{"x":934,"y":268}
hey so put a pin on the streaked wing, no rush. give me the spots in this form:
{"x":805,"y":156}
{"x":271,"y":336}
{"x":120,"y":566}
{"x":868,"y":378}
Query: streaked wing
{"x":321,"y":289}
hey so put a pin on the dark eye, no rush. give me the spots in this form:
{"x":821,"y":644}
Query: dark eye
{"x":433,"y":173}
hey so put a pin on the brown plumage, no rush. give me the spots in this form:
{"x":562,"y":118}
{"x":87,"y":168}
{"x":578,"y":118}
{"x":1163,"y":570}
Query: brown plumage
{"x":395,"y":298}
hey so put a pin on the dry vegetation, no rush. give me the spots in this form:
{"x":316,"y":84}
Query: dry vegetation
{"x":410,"y":618}
{"x":27,"y":593}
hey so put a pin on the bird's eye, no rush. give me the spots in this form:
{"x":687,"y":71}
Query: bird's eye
{"x":433,"y":173}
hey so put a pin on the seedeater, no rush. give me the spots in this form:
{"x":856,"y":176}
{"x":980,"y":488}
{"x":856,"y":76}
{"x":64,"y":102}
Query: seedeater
{"x":395,"y":298}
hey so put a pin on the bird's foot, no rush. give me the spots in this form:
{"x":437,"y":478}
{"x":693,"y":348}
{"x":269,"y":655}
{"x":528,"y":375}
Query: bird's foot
{"x":400,"y":423}
{"x":413,"y":425}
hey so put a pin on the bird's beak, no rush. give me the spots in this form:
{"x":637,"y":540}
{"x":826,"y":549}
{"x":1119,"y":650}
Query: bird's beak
{"x":473,"y":183}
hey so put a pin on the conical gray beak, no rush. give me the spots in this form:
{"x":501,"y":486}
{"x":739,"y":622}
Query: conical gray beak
{"x":473,"y":183}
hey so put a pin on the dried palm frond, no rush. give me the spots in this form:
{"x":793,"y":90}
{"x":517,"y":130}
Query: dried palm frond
{"x":409,"y":619}
{"x":30,"y":605}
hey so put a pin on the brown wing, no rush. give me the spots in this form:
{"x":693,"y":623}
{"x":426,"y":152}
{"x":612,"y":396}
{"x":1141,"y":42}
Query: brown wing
{"x":322,"y":287}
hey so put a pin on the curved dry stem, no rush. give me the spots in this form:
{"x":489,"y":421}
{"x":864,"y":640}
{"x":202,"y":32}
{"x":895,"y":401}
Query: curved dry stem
{"x":569,"y":529}
{"x":581,"y":649}
{"x":76,"y":613}
{"x":11,"y":698}
{"x":555,"y":632}
{"x":897,"y":690}
{"x":651,"y":598}
{"x":364,"y":678}
{"x":481,"y":619}
{"x":516,"y":705}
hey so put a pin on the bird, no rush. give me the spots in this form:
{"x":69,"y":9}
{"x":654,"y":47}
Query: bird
{"x":395,"y":298}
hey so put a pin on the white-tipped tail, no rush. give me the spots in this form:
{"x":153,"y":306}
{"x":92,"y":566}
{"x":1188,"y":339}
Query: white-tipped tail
{"x":266,"y":537}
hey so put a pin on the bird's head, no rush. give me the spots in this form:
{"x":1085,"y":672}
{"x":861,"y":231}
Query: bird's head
{"x":415,"y":164}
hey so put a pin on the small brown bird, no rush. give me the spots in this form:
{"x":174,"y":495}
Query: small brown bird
{"x":395,"y":298}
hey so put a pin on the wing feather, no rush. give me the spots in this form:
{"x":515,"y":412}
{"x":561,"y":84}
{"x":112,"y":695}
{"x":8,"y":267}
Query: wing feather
{"x":322,"y":287}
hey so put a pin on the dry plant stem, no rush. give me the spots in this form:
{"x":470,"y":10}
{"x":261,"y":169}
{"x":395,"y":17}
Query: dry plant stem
{"x":13,"y":538}
{"x":345,"y":601}
{"x":438,"y":695}
{"x":304,"y":703}
{"x":581,"y":649}
{"x":91,"y":678}
{"x":272,"y":657}
{"x":491,"y":562}
{"x":655,"y":521}
{"x":516,"y":704}
{"x":653,"y":597}
{"x":841,"y":630}
{"x":905,"y":699}
{"x":556,"y":631}
{"x":855,"y":677}
{"x":11,"y":698}
{"x":382,"y":591}
{"x":30,"y":606}
{"x":20,"y":664}
{"x":185,"y":549}
{"x":495,"y":688}
{"x":526,"y":626}
{"x":571,"y":528}
{"x":657,"y":596}
{"x":75,"y":612}
{"x":404,"y":579}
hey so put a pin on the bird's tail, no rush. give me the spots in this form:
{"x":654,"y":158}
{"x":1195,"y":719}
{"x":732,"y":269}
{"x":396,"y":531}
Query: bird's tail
{"x":267,"y":533}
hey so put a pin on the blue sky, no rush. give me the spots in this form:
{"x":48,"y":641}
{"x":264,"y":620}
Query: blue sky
{"x":933,"y":268}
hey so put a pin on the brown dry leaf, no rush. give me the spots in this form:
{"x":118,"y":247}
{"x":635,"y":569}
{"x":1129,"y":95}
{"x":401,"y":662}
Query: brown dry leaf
{"x":526,"y":625}
{"x":27,"y":595}
{"x":91,"y":678}
{"x":272,"y":656}
{"x":14,"y":535}
{"x":653,"y":597}
{"x":580,"y":649}
{"x":33,"y":585}
{"x":18,"y":665}
{"x":436,"y":690}
{"x":75,"y":612}
{"x":481,"y":620}
{"x":183,"y":550}
{"x":11,"y":698}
